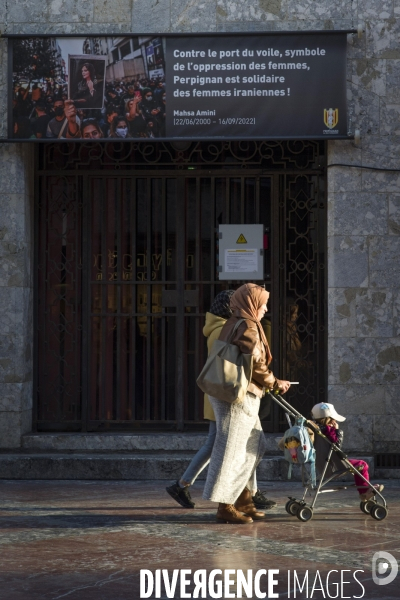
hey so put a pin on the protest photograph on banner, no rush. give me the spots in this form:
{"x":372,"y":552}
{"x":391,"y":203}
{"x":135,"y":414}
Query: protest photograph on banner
{"x":87,"y":88}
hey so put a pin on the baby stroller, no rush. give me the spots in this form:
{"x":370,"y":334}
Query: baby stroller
{"x":331,"y":463}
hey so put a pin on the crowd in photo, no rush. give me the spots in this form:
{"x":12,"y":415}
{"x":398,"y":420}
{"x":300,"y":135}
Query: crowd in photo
{"x":131,"y":109}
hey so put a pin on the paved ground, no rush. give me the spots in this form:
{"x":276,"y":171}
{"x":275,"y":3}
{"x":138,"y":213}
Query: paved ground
{"x":89,"y":539}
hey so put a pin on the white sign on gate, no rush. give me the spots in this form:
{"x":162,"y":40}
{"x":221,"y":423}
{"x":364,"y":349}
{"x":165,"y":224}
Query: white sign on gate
{"x":241,"y":254}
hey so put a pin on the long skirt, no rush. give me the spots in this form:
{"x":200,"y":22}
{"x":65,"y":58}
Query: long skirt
{"x":238,"y":448}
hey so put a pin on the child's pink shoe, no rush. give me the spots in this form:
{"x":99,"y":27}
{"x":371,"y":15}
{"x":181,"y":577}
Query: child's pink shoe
{"x":370,"y":492}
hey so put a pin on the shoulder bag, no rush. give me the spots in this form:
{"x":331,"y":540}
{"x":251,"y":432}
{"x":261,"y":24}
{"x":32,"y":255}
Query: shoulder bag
{"x":227,"y":372}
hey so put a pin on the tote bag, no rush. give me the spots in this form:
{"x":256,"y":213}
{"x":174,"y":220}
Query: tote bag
{"x":227,"y":372}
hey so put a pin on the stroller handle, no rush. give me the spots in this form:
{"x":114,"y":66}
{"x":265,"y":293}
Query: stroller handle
{"x":284,"y":404}
{"x":281,"y":402}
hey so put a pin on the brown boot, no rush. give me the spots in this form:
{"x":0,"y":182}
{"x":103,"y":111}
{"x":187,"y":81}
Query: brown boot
{"x":245,"y":505}
{"x":227,"y":513}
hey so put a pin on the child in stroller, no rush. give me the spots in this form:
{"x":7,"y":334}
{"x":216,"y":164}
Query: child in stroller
{"x":326,"y":417}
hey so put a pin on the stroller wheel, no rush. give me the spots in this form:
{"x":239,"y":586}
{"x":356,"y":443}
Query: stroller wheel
{"x":379,"y":512}
{"x":292,"y":507}
{"x":305,"y":513}
{"x":364,"y":508}
{"x":369,"y":506}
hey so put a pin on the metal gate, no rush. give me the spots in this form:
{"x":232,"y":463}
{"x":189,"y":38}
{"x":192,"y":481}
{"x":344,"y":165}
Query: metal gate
{"x":126,"y":270}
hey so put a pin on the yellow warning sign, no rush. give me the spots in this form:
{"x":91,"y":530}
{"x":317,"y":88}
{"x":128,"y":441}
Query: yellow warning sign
{"x":241,"y":239}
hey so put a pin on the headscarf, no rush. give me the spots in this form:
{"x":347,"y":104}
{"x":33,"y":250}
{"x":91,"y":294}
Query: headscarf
{"x":246,"y":302}
{"x":221,"y":305}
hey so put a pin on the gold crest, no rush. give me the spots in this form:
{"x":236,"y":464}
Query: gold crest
{"x":331,"y":117}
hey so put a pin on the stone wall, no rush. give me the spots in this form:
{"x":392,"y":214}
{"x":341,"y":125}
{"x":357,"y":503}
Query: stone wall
{"x":16,"y":253}
{"x":364,"y":205}
{"x":364,"y":242}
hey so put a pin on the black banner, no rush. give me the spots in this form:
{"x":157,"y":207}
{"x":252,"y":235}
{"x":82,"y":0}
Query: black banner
{"x":275,"y":86}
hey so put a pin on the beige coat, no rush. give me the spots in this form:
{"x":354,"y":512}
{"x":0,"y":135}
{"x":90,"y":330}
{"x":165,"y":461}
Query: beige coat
{"x":211,"y":330}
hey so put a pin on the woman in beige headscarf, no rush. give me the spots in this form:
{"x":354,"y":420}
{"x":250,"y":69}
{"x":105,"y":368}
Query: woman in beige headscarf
{"x":240,"y":442}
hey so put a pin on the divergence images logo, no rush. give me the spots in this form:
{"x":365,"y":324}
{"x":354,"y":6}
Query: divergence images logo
{"x":381,"y":563}
{"x":331,"y":117}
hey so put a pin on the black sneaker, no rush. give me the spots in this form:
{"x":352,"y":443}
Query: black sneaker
{"x":261,"y":501}
{"x":181,"y":495}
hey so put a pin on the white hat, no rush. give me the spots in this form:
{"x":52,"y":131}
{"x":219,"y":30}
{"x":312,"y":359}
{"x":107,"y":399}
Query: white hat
{"x":323,"y":410}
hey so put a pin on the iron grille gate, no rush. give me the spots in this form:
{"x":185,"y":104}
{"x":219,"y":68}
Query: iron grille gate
{"x":126,"y":269}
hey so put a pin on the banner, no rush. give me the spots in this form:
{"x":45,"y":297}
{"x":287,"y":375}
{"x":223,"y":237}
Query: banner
{"x":275,"y":86}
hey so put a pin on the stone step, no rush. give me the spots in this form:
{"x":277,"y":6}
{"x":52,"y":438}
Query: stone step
{"x":124,"y":442}
{"x":167,"y":466}
{"x":387,"y":474}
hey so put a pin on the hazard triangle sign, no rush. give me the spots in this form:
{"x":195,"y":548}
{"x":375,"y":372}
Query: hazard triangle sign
{"x":241,"y":239}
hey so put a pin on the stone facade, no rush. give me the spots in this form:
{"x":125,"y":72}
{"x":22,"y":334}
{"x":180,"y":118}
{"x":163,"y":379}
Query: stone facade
{"x":364,"y":204}
{"x":16,"y":293}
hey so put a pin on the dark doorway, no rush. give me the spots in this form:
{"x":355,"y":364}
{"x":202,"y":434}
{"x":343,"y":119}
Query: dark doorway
{"x":126,"y":239}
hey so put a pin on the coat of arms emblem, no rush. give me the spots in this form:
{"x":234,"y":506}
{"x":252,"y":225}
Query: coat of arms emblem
{"x":331,"y":117}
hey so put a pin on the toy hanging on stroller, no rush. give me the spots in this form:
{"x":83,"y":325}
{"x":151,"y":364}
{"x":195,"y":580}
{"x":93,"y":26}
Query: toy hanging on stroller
{"x":330,"y":462}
